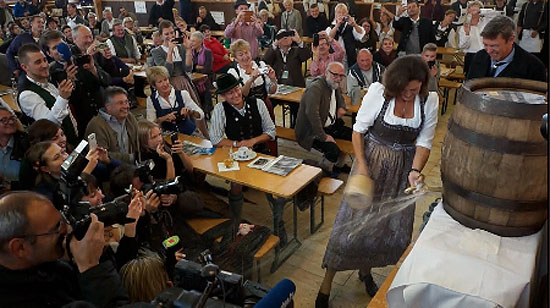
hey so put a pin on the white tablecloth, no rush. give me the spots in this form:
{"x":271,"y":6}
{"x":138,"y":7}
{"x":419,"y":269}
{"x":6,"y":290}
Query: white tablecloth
{"x":454,"y":266}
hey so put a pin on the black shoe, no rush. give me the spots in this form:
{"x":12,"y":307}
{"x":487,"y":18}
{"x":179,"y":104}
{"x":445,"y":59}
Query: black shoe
{"x":322,"y":300}
{"x":370,"y":285}
{"x":343,"y":169}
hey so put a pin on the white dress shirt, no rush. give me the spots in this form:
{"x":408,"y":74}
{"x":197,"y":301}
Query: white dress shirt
{"x":187,"y":100}
{"x":372,"y":105}
{"x":35,"y":107}
{"x":474,"y":42}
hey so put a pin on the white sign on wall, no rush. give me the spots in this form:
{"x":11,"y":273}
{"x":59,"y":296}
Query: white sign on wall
{"x":140,"y":7}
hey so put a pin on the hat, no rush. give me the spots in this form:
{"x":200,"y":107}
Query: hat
{"x":284,"y":33}
{"x":241,"y":2}
{"x":226,"y":82}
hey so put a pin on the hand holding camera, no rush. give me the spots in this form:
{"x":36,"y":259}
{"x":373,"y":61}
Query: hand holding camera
{"x":152,"y":201}
{"x":86,"y":252}
{"x":171,"y":117}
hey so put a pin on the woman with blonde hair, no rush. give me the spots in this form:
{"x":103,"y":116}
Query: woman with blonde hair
{"x":173,"y":109}
{"x":145,"y":277}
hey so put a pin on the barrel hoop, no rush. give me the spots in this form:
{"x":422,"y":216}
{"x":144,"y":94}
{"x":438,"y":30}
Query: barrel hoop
{"x":493,"y":202}
{"x":500,"y":107}
{"x":497,"y":144}
{"x":499,"y":230}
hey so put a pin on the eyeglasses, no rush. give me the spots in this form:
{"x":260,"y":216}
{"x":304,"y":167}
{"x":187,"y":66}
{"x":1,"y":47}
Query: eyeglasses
{"x":337,"y":75}
{"x":9,"y":120}
{"x":61,"y":226}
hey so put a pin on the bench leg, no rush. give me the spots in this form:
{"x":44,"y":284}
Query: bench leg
{"x":312,"y":226}
{"x":258,"y":271}
{"x":445,"y":97}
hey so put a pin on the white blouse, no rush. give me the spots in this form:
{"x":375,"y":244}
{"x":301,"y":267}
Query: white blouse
{"x":176,"y":57}
{"x":242,"y":74}
{"x":474,"y":42}
{"x":373,"y":102}
{"x":187,"y":100}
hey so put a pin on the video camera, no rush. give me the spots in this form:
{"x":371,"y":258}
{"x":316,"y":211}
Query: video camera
{"x":143,"y":171}
{"x":205,"y":285}
{"x":71,"y":190}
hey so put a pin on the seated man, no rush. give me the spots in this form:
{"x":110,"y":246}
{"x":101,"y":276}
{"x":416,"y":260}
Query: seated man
{"x":319,"y":118}
{"x":322,"y":56}
{"x":123,"y":44}
{"x":115,"y":127}
{"x":39,"y":99}
{"x":362,"y":74}
{"x":429,"y":54}
{"x":33,"y":245}
{"x":13,"y":144}
{"x":501,"y":57}
{"x":205,"y":18}
{"x":37,"y":27}
{"x":240,"y":122}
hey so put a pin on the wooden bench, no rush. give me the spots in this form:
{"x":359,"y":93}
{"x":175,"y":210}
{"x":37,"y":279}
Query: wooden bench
{"x":202,"y":225}
{"x":327,"y":187}
{"x":288,"y":133}
{"x":447,"y":85}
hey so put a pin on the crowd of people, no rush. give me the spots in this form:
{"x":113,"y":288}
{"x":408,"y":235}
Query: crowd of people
{"x":75,"y":80}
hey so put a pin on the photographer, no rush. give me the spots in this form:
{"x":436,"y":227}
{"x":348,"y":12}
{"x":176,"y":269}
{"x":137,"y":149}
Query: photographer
{"x":38,"y":98}
{"x":173,"y":109}
{"x":32,"y":239}
{"x":322,"y":56}
{"x":127,"y":244}
{"x":90,"y":80}
{"x":145,"y":277}
{"x":346,"y":31}
{"x":429,"y":54}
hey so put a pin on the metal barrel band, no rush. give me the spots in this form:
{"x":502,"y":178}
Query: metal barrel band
{"x":497,"y":144}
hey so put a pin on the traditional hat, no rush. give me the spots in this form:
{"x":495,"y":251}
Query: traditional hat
{"x":226,"y":82}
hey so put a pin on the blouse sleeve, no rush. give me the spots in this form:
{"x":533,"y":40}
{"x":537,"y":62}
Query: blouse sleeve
{"x":426,"y":135}
{"x":191,"y":105}
{"x":370,"y":108}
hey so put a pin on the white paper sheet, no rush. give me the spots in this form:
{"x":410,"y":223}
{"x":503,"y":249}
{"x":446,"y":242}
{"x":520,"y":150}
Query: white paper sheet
{"x":454,"y":266}
{"x":140,"y":7}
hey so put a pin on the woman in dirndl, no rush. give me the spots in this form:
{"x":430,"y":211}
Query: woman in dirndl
{"x":177,"y":58}
{"x":392,"y":138}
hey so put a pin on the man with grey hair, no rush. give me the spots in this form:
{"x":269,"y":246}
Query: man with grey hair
{"x":123,"y":45}
{"x":501,"y":57}
{"x":115,"y":127}
{"x":319,"y":120}
{"x":33,"y":237}
{"x":362,"y":74}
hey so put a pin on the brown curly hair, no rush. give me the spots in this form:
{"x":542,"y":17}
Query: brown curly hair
{"x":402,"y":71}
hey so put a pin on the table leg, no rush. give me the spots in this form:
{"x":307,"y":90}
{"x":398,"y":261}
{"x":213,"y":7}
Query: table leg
{"x":283,"y":252}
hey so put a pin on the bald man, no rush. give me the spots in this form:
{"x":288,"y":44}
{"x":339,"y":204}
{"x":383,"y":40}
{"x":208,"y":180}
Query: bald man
{"x":319,"y":120}
{"x":362,"y":74}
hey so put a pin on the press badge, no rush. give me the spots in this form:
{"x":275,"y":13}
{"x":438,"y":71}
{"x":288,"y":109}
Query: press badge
{"x":284,"y":75}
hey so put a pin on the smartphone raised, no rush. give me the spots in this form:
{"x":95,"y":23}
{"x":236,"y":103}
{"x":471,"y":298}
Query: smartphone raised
{"x":315,"y":39}
{"x":248,"y":16}
{"x":174,"y":138}
{"x":92,"y":142}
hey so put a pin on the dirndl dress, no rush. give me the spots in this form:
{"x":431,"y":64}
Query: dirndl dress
{"x":378,"y":235}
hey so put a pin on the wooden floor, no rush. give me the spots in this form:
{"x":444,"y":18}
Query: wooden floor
{"x":304,"y":267}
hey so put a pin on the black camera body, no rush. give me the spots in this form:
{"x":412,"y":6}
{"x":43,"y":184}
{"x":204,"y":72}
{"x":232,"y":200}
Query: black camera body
{"x":315,"y":39}
{"x":109,"y":213}
{"x":165,"y":188}
{"x":431,"y":64}
{"x":82,"y":59}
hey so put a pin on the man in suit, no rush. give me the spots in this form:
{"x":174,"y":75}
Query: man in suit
{"x":415,"y":31}
{"x":319,"y":120}
{"x":501,"y":57}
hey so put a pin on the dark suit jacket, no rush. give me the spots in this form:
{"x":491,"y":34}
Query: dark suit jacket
{"x":296,"y":56}
{"x":426,"y":33}
{"x":314,"y":111}
{"x":524,"y":65}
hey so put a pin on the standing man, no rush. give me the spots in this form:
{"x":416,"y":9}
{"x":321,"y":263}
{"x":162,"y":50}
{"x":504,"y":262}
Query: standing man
{"x":319,"y":120}
{"x":248,"y":30}
{"x":39,"y":99}
{"x":161,"y":10}
{"x":315,"y":21}
{"x":37,"y":27}
{"x":415,"y":31}
{"x":346,"y":31}
{"x":532,"y":23}
{"x":501,"y":57}
{"x":242,"y":122}
{"x":5,"y":14}
{"x":362,"y":74}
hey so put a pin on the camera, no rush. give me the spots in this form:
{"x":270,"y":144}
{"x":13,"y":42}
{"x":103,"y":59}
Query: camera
{"x":82,"y":59}
{"x":101,"y":46}
{"x":346,"y":18}
{"x":178,"y":40}
{"x":431,"y":64}
{"x":263,"y":70}
{"x":165,"y":188}
{"x":315,"y":39}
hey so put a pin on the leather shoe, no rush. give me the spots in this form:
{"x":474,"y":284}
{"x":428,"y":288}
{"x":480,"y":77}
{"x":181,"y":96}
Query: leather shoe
{"x":322,"y":300}
{"x":370,"y":285}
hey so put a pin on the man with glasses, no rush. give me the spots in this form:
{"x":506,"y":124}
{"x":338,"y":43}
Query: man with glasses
{"x":115,"y":127}
{"x":319,"y":120}
{"x":32,"y":245}
{"x":322,"y":56}
{"x":13,"y":144}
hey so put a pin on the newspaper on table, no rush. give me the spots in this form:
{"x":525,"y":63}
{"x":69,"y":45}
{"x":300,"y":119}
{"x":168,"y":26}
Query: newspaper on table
{"x":191,"y":148}
{"x":282,"y":165}
{"x":284,"y":89}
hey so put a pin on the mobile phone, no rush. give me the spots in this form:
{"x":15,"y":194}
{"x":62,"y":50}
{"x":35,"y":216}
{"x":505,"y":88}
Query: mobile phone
{"x":81,"y":60}
{"x":101,"y":46}
{"x":178,"y":40}
{"x":263,"y":70}
{"x":92,"y":142}
{"x":315,"y":39}
{"x":248,"y":16}
{"x":431,"y":64}
{"x":174,"y":138}
{"x":377,"y":6}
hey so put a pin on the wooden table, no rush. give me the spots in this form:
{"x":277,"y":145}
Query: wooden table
{"x":7,"y":97}
{"x":456,"y":53}
{"x":198,"y":76}
{"x":286,"y":187}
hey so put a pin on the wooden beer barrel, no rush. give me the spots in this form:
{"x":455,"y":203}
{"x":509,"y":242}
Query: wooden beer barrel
{"x":494,"y":158}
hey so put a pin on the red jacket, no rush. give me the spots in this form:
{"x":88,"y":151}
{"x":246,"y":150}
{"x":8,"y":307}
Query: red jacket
{"x":218,"y":51}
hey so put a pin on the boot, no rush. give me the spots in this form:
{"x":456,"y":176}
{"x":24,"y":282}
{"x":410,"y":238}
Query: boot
{"x":370,"y":285}
{"x":322,"y":300}
{"x":236,"y":206}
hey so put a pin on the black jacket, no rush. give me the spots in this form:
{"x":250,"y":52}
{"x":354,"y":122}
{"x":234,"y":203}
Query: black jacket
{"x":524,"y":65}
{"x":208,"y":20}
{"x":294,"y":59}
{"x":57,"y":283}
{"x":164,"y":11}
{"x":426,"y":33}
